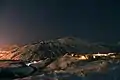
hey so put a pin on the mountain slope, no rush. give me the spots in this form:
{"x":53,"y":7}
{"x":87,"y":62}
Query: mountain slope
{"x":54,"y":48}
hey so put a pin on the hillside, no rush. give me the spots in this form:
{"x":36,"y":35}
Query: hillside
{"x":53,"y":48}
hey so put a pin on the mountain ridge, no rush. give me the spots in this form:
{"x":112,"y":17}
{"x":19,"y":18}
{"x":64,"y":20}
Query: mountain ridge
{"x":54,"y":48}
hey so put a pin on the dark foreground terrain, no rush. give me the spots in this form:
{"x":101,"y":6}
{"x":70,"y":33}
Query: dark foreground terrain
{"x":95,"y":70}
{"x":76,"y":70}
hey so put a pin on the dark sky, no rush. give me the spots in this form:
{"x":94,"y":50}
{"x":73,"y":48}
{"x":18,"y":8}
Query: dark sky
{"x":23,"y":21}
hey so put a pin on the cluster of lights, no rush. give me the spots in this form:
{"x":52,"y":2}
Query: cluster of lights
{"x":86,"y":57}
{"x":34,"y":62}
{"x":80,"y":57}
{"x":4,"y":52}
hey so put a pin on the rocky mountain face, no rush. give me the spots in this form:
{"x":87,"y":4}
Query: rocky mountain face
{"x":53,"y":48}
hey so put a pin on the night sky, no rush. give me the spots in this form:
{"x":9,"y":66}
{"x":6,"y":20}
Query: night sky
{"x":24,"y":21}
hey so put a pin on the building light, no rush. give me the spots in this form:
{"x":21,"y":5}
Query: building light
{"x":94,"y":56}
{"x":110,"y":53}
{"x":113,"y":56}
{"x":72,"y":55}
{"x":82,"y":58}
